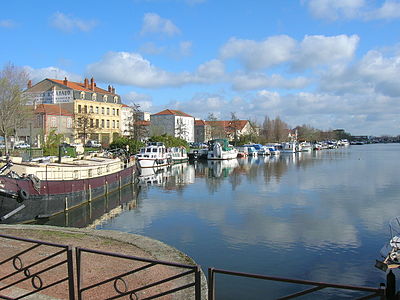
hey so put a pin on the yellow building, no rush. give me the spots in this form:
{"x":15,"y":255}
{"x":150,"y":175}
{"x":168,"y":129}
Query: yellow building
{"x":96,"y":112}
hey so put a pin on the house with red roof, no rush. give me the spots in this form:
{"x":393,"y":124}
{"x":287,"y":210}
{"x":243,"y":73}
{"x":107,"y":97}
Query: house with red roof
{"x":229,"y":129}
{"x":96,"y":111}
{"x":173,"y":122}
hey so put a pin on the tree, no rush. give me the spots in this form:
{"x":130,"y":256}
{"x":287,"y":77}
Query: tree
{"x":52,"y":143}
{"x":13,"y":110}
{"x":275,"y":130}
{"x":136,"y":129}
{"x":181,"y":129}
{"x":170,"y":141}
{"x":216,"y":128}
{"x":84,"y":125}
{"x":234,"y":123}
{"x":122,"y":142}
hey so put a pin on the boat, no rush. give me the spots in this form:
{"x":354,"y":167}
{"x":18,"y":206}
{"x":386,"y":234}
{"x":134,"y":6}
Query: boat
{"x":196,"y":154}
{"x":220,"y":149}
{"x":178,"y":154}
{"x":42,"y":189}
{"x":390,"y":252}
{"x":305,"y":147}
{"x":273,"y":150}
{"x":154,"y":155}
{"x":289,"y":147}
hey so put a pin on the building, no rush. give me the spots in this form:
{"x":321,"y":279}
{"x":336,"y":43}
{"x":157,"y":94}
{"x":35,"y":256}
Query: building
{"x":46,"y":118}
{"x":96,"y":112}
{"x":134,"y":124}
{"x":202,"y":132}
{"x":229,"y":129}
{"x":174,"y":123}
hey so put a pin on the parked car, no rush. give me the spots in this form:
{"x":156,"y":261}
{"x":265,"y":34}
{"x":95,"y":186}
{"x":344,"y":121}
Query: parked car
{"x":22,"y":146}
{"x":93,"y":144}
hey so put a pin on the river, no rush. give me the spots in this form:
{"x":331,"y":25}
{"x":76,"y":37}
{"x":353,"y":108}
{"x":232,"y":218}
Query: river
{"x":319,"y":216}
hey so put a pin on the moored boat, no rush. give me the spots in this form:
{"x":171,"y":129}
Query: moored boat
{"x":220,"y":149}
{"x":31,"y":190}
{"x":154,"y":155}
{"x":178,"y":154}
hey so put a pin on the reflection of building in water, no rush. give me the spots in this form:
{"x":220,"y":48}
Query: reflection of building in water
{"x":170,"y":177}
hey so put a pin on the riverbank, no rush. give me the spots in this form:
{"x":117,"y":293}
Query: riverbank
{"x":108,"y":241}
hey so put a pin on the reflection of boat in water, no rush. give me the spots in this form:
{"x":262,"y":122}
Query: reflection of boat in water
{"x":219,"y":149}
{"x":177,"y":174}
{"x":30,"y":190}
{"x":152,"y":176}
{"x":222,"y":168}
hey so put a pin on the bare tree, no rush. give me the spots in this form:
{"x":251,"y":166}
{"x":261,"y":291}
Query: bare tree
{"x":181,"y":129}
{"x":275,"y":130}
{"x":84,"y":125}
{"x":136,"y":128}
{"x":12,"y":100}
{"x":234,"y":126}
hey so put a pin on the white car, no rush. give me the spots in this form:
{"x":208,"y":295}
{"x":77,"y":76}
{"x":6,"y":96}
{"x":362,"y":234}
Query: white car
{"x":94,"y":144}
{"x":22,"y":146}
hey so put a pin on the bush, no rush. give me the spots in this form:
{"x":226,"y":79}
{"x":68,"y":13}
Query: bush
{"x":122,"y":142}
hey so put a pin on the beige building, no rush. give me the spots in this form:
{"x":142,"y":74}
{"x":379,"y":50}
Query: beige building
{"x":96,"y":112}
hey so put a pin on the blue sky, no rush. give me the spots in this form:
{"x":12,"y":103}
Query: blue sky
{"x":325,"y":63}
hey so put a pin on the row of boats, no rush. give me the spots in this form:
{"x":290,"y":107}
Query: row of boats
{"x":157,"y":155}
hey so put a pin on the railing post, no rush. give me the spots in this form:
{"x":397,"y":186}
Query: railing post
{"x":211,"y":284}
{"x":78,"y":271}
{"x":390,"y":286}
{"x":71,"y":281}
{"x":382,"y":288}
{"x":197,"y":286}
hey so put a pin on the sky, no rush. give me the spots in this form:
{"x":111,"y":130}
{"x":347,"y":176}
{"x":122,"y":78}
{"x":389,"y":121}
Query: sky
{"x":329,"y":64}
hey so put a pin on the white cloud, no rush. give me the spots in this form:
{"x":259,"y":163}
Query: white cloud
{"x":37,"y":75}
{"x":258,"y":55}
{"x":143,"y":100}
{"x":254,"y":81}
{"x":185,"y":48}
{"x":318,"y":50}
{"x":7,"y":23}
{"x":312,"y":51}
{"x":153,"y":23}
{"x":69,"y":24}
{"x":353,"y":9}
{"x":213,"y":69}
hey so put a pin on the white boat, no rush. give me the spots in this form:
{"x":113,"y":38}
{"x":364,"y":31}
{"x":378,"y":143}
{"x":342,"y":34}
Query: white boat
{"x":391,"y":250}
{"x":154,"y":155}
{"x":220,"y":149}
{"x":289,"y":147}
{"x":305,"y":147}
{"x":178,"y":154}
{"x":273,"y":149}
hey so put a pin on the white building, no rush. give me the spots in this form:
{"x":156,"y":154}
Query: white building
{"x":174,"y":123}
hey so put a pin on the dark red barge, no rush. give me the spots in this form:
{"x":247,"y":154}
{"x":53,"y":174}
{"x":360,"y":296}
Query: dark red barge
{"x":30,"y":191}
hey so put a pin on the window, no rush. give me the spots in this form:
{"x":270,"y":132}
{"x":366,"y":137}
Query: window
{"x":102,"y":123}
{"x":82,"y":95}
{"x":117,"y":112}
{"x":91,"y":109}
{"x":108,"y":111}
{"x":117,"y":124}
{"x":94,"y":96}
{"x":102,"y":110}
{"x":53,"y":122}
{"x":113,"y":122}
{"x":97,"y":123}
{"x":85,"y":109}
{"x":97,"y":109}
{"x":91,"y":122}
{"x":108,"y":123}
{"x":105,"y":98}
{"x":69,"y":123}
{"x":113,"y":111}
{"x":115,"y":99}
{"x":79,"y":109}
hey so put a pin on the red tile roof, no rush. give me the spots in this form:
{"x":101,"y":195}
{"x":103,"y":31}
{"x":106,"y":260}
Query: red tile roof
{"x":236,"y":124}
{"x":172,"y":112}
{"x":199,"y":122}
{"x":51,"y":109}
{"x":80,"y":86}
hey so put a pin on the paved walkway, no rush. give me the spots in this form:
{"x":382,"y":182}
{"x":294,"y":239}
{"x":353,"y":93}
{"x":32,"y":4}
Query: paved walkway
{"x":97,"y":267}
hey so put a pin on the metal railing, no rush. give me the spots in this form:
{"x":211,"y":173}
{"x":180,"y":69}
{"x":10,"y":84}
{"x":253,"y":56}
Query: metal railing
{"x":26,"y":271}
{"x":317,"y":286}
{"x":135,"y":277}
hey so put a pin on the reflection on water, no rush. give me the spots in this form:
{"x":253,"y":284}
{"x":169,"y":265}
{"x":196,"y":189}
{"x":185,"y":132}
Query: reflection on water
{"x":318,"y":216}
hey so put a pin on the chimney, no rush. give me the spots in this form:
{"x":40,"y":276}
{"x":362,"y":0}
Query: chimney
{"x":29,"y":84}
{"x":86,"y":83}
{"x":109,"y":88}
{"x":65,"y":81}
{"x":113,"y":90}
{"x":92,"y":84}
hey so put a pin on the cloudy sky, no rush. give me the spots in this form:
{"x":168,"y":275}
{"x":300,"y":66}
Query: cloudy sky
{"x":326,"y":63}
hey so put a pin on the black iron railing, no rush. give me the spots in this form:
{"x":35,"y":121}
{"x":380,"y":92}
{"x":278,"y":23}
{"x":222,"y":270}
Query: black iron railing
{"x":26,"y":271}
{"x":168,"y":278}
{"x":316,"y":286}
